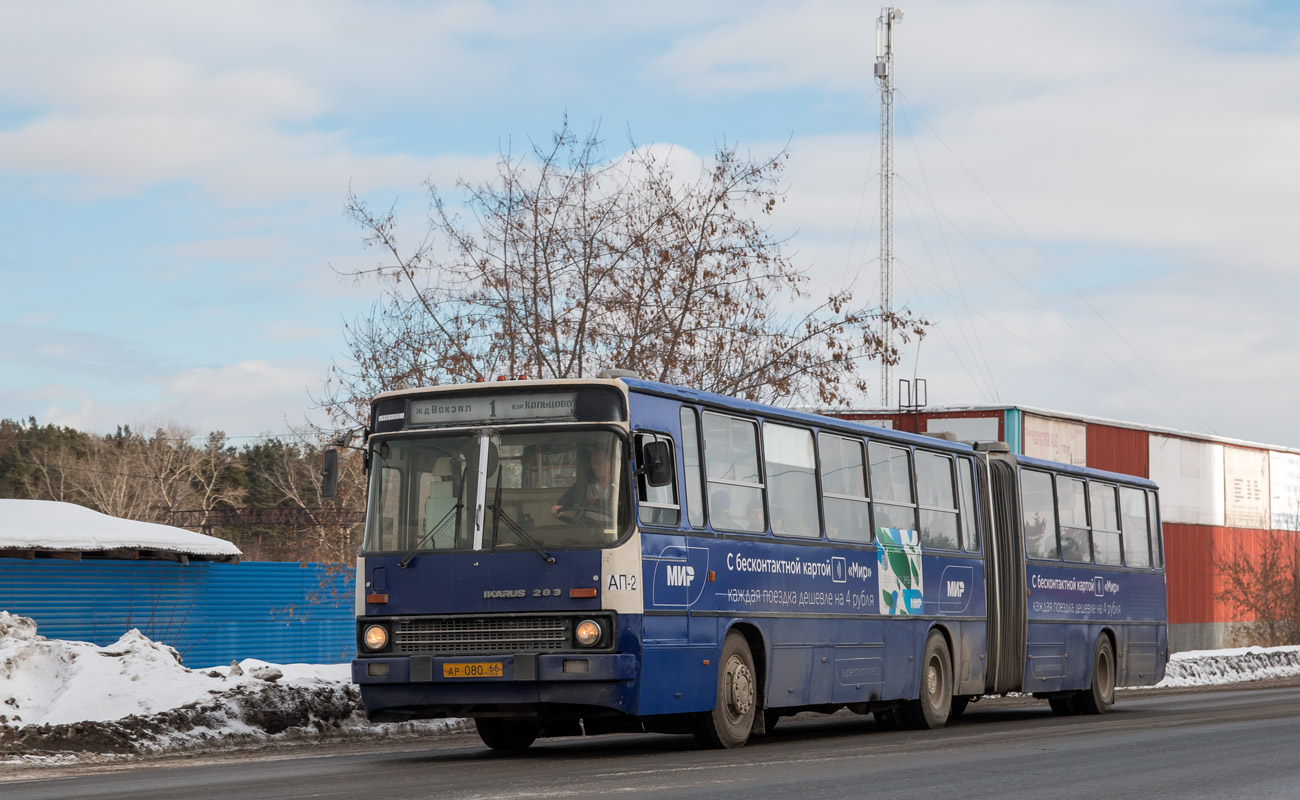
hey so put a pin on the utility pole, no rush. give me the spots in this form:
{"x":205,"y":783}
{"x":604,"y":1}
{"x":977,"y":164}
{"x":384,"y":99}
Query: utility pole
{"x":889,"y":17}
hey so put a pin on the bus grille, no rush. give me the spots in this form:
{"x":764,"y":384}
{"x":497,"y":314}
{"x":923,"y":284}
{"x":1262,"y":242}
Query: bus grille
{"x":481,"y":635}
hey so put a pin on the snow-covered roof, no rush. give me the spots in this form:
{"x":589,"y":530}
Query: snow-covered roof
{"x":31,"y":528}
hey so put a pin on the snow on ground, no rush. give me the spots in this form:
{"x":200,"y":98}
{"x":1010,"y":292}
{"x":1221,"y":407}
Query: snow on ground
{"x":134,"y":697}
{"x":62,"y":701}
{"x":1214,"y":667}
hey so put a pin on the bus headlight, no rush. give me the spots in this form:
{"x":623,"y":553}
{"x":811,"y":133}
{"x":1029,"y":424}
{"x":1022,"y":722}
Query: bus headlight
{"x":375,"y":637}
{"x":588,"y":632}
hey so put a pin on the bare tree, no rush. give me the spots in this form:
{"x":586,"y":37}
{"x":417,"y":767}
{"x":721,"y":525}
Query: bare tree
{"x":567,"y":263}
{"x":295,"y":474}
{"x":130,"y":476}
{"x":1264,"y":585}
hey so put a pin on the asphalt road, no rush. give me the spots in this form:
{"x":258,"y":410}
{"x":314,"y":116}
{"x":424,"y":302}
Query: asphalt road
{"x":1222,"y":744}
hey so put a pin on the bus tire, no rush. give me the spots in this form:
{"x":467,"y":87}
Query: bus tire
{"x":729,"y":723}
{"x":932,"y":709}
{"x":1062,"y":706}
{"x":508,"y":735}
{"x":1098,"y":698}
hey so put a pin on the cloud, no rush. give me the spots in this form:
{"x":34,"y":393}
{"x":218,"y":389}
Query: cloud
{"x":243,"y":399}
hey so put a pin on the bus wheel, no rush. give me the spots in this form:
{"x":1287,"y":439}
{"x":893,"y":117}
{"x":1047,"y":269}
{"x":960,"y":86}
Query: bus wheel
{"x":729,"y":723}
{"x":935,"y":703}
{"x":1101,"y":696}
{"x":1062,"y":706}
{"x":510,"y":735}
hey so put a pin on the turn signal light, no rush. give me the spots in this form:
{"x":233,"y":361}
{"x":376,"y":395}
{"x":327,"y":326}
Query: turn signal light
{"x":588,"y":592}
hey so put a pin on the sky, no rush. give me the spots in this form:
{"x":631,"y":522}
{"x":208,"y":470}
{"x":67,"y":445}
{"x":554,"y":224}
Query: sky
{"x":1095,"y":203}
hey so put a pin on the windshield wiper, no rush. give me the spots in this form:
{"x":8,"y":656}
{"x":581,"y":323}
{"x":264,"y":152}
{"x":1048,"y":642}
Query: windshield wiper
{"x":437,"y":528}
{"x":499,"y":513}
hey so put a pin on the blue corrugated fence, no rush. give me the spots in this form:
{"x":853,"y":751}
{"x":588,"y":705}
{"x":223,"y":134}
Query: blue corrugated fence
{"x":211,"y":613}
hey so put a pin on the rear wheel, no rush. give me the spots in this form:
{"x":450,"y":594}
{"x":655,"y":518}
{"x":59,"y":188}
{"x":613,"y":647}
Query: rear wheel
{"x":732,"y":718}
{"x":1101,"y":695}
{"x":1062,"y":706}
{"x":935,"y":703}
{"x":509,"y":735}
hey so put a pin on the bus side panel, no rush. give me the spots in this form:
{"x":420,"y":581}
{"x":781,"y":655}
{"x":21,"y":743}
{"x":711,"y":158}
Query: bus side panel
{"x":1070,"y":605}
{"x":955,"y":595}
{"x":676,"y":679}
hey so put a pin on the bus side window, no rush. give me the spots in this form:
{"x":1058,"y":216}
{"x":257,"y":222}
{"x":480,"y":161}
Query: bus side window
{"x":1133,"y":516}
{"x":1038,"y":515}
{"x":1105,"y":523}
{"x":1072,"y":506}
{"x":656,"y":505}
{"x":791,"y":481}
{"x":844,"y":489}
{"x":938,"y":501}
{"x":693,"y":479}
{"x":731,"y":469}
{"x":970,"y":532}
{"x":891,"y":487}
{"x":1153,"y":517}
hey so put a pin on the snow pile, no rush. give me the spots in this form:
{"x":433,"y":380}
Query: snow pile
{"x":47,"y":525}
{"x":1213,"y":667}
{"x":134,"y":696}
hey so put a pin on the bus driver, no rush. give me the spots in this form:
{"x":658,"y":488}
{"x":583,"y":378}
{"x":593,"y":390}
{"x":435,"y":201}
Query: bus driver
{"x":593,"y":494}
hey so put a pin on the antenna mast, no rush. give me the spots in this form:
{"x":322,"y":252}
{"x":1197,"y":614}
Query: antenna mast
{"x":889,"y":16}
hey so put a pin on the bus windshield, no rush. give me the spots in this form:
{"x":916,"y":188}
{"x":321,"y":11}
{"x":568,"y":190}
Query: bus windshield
{"x":538,"y":489}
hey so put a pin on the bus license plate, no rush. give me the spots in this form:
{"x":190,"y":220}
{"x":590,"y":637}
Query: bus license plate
{"x":490,"y":670}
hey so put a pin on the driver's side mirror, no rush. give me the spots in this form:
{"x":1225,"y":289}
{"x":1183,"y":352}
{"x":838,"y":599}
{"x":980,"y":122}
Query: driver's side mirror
{"x":329,"y":485}
{"x":656,"y":463}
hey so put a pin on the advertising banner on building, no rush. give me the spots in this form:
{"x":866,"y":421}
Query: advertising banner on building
{"x":1190,"y":476}
{"x":1284,"y":494}
{"x":1056,"y":440}
{"x":1245,"y":488}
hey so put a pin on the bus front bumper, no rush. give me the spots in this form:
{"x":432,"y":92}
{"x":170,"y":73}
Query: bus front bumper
{"x":470,"y":670}
{"x":424,"y":686}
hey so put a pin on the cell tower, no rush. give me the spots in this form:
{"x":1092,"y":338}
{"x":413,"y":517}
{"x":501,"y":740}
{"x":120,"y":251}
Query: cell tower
{"x":889,"y":17}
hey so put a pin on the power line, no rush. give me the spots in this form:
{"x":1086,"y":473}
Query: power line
{"x":1189,"y":407}
{"x":1049,"y":356}
{"x":1083,"y":336}
{"x":981,"y":358}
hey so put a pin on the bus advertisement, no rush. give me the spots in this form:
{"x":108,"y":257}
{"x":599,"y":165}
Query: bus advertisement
{"x":574,"y":557}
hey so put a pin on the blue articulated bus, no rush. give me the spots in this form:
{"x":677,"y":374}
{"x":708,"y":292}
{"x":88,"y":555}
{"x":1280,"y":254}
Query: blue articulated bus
{"x":569,"y":557}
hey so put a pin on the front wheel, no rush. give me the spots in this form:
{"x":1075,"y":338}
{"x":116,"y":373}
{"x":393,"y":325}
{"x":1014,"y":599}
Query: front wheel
{"x":509,"y":735}
{"x":1101,"y":695}
{"x":732,"y":718}
{"x":931,"y":710}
